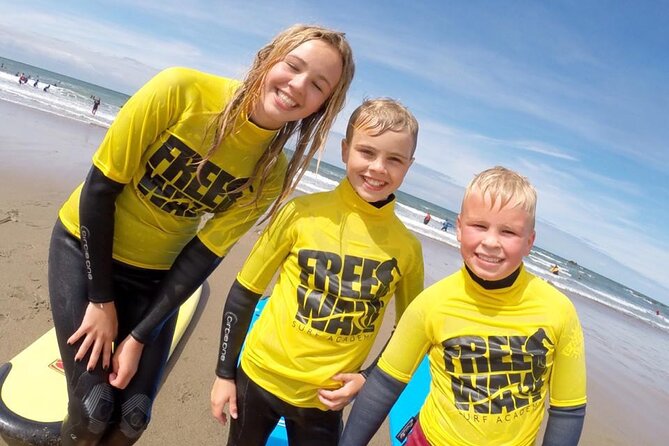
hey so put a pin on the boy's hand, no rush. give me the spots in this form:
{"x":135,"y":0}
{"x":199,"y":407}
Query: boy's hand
{"x":125,"y":361}
{"x":98,"y":330}
{"x":338,"y":399}
{"x":224,"y":391}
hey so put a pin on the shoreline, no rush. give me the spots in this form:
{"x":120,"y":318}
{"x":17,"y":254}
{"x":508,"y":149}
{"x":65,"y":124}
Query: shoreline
{"x":46,"y":156}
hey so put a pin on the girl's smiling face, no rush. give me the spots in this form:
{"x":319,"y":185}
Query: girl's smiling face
{"x":298,"y":85}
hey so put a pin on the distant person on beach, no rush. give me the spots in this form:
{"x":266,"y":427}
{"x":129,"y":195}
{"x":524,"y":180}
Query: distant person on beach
{"x":555,"y":269}
{"x":135,"y":240}
{"x":500,"y":340}
{"x":96,"y":104}
{"x":47,"y":87}
{"x":341,"y":256}
{"x":36,"y":82}
{"x":447,"y":224}
{"x":427,"y":218}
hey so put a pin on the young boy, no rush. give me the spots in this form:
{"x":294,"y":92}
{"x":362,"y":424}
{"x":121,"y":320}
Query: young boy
{"x":341,"y":256}
{"x":498,"y":338}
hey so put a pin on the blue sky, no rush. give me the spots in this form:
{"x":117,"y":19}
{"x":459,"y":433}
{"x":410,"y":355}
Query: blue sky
{"x":572,"y":94}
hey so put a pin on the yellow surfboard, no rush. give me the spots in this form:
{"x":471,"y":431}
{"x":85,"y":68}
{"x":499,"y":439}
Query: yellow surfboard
{"x":33,"y":392}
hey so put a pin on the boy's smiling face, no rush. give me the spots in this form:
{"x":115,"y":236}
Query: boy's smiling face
{"x":493,"y":239}
{"x":376,"y":164}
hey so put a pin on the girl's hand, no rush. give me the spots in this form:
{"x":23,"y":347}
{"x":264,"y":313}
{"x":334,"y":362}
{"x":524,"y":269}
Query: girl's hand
{"x":338,"y":399}
{"x":125,"y":361}
{"x":223,"y":392}
{"x":98,"y":330}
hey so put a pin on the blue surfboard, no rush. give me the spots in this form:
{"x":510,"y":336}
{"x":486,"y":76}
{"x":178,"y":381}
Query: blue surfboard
{"x":404,"y":413}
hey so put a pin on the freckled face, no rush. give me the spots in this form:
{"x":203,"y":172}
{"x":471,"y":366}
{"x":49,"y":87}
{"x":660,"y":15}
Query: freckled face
{"x":376,"y":165}
{"x":493,"y":241}
{"x":298,"y":85}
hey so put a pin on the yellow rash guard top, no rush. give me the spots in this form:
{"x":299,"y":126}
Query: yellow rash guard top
{"x":494,"y":356}
{"x":154,"y":146}
{"x":341,"y":260}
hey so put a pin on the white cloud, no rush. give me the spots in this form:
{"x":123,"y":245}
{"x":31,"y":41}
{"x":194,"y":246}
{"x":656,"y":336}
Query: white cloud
{"x":503,"y":83}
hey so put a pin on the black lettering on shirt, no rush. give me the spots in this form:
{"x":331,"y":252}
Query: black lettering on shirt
{"x":342,"y":296}
{"x":497,"y":374}
{"x":170,"y":182}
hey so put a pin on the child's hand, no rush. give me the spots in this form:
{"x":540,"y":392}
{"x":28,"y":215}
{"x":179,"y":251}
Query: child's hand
{"x":125,"y":362}
{"x":223,"y":392}
{"x":338,"y":399}
{"x":98,"y":330}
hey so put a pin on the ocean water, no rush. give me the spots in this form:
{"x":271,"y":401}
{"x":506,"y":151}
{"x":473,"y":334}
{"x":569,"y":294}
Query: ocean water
{"x":66,"y":96}
{"x":71,"y":98}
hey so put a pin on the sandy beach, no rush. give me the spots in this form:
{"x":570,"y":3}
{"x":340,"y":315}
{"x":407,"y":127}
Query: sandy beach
{"x":45,"y":157}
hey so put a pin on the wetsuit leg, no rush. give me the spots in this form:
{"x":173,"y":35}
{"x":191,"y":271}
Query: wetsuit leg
{"x":135,"y":289}
{"x":136,"y":400}
{"x":257,"y":414}
{"x":98,"y":412}
{"x":310,"y":426}
{"x":90,"y":396}
{"x":260,"y":410}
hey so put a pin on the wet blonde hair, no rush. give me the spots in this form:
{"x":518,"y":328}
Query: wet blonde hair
{"x":507,"y":186}
{"x":380,"y":115}
{"x":311,"y":131}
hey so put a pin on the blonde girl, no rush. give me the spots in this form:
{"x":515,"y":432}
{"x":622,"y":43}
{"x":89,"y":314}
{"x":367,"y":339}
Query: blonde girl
{"x":132,"y":242}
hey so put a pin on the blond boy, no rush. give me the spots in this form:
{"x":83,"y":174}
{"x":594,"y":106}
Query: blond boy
{"x":341,"y":256}
{"x":500,"y":341}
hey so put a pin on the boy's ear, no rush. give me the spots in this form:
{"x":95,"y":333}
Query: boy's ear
{"x":344,"y":150}
{"x":457,"y":227}
{"x":530,"y":242}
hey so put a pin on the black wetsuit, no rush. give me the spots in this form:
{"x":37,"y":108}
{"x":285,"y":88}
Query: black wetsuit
{"x":136,"y":234}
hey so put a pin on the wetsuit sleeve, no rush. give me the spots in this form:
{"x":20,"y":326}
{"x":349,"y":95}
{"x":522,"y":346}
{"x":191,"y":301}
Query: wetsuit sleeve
{"x":237,"y":316}
{"x":564,"y":426}
{"x":190,"y":269}
{"x":96,"y":216}
{"x":370,"y":408}
{"x":399,"y":359}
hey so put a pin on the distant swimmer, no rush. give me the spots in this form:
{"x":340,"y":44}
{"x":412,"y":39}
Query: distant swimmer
{"x":555,"y":269}
{"x":447,"y":224}
{"x":427,"y":218}
{"x":36,"y":81}
{"x":47,"y":87}
{"x":96,"y":104}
